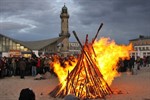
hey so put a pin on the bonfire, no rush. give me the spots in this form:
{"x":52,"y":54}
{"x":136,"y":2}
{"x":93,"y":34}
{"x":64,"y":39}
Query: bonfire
{"x":91,"y":74}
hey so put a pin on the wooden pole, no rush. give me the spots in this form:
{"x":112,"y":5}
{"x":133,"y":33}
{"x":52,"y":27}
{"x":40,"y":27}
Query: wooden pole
{"x":97,"y":33}
{"x":87,"y":56}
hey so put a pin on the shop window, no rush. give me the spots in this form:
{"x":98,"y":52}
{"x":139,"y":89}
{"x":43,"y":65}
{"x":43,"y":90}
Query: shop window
{"x":147,"y":48}
{"x":143,"y":48}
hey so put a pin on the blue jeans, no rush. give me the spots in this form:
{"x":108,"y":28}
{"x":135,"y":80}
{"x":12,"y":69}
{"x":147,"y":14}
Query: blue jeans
{"x":33,"y":70}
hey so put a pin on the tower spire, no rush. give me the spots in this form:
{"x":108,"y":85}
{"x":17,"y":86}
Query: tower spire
{"x":64,"y":22}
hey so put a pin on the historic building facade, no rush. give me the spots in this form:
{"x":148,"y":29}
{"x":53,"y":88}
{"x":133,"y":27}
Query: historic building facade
{"x":60,"y":45}
{"x":74,"y":48}
{"x":141,"y":46}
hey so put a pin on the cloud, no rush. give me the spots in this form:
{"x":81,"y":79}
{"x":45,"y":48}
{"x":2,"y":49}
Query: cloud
{"x":123,"y":19}
{"x":12,"y":26}
{"x":19,"y":6}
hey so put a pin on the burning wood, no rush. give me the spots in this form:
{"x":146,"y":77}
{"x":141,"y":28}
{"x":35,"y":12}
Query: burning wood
{"x":85,"y":80}
{"x":90,"y":76}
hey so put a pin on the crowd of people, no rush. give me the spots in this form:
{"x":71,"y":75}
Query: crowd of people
{"x":12,"y":66}
{"x":132,"y":63}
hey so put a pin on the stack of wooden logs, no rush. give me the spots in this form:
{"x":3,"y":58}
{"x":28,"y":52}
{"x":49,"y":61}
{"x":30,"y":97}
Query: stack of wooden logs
{"x":85,"y":80}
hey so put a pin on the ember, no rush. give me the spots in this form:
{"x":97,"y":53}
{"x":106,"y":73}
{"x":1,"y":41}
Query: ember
{"x":90,"y":76}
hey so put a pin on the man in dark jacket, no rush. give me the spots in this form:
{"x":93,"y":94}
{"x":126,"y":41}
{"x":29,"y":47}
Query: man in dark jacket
{"x":22,"y":66}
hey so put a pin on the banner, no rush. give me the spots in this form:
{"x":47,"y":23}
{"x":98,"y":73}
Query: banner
{"x":14,"y":53}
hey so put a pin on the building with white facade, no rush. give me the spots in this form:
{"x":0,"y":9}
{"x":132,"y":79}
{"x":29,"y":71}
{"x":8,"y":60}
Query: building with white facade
{"x":141,"y":46}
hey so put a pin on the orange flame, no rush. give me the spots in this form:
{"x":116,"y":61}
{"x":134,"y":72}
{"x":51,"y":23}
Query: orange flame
{"x":62,"y":71}
{"x":108,"y":54}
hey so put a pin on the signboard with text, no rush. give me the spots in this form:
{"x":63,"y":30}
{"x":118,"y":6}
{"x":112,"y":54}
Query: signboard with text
{"x":14,"y":53}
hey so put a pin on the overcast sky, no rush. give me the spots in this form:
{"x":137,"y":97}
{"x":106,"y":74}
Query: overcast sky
{"x":29,"y":20}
